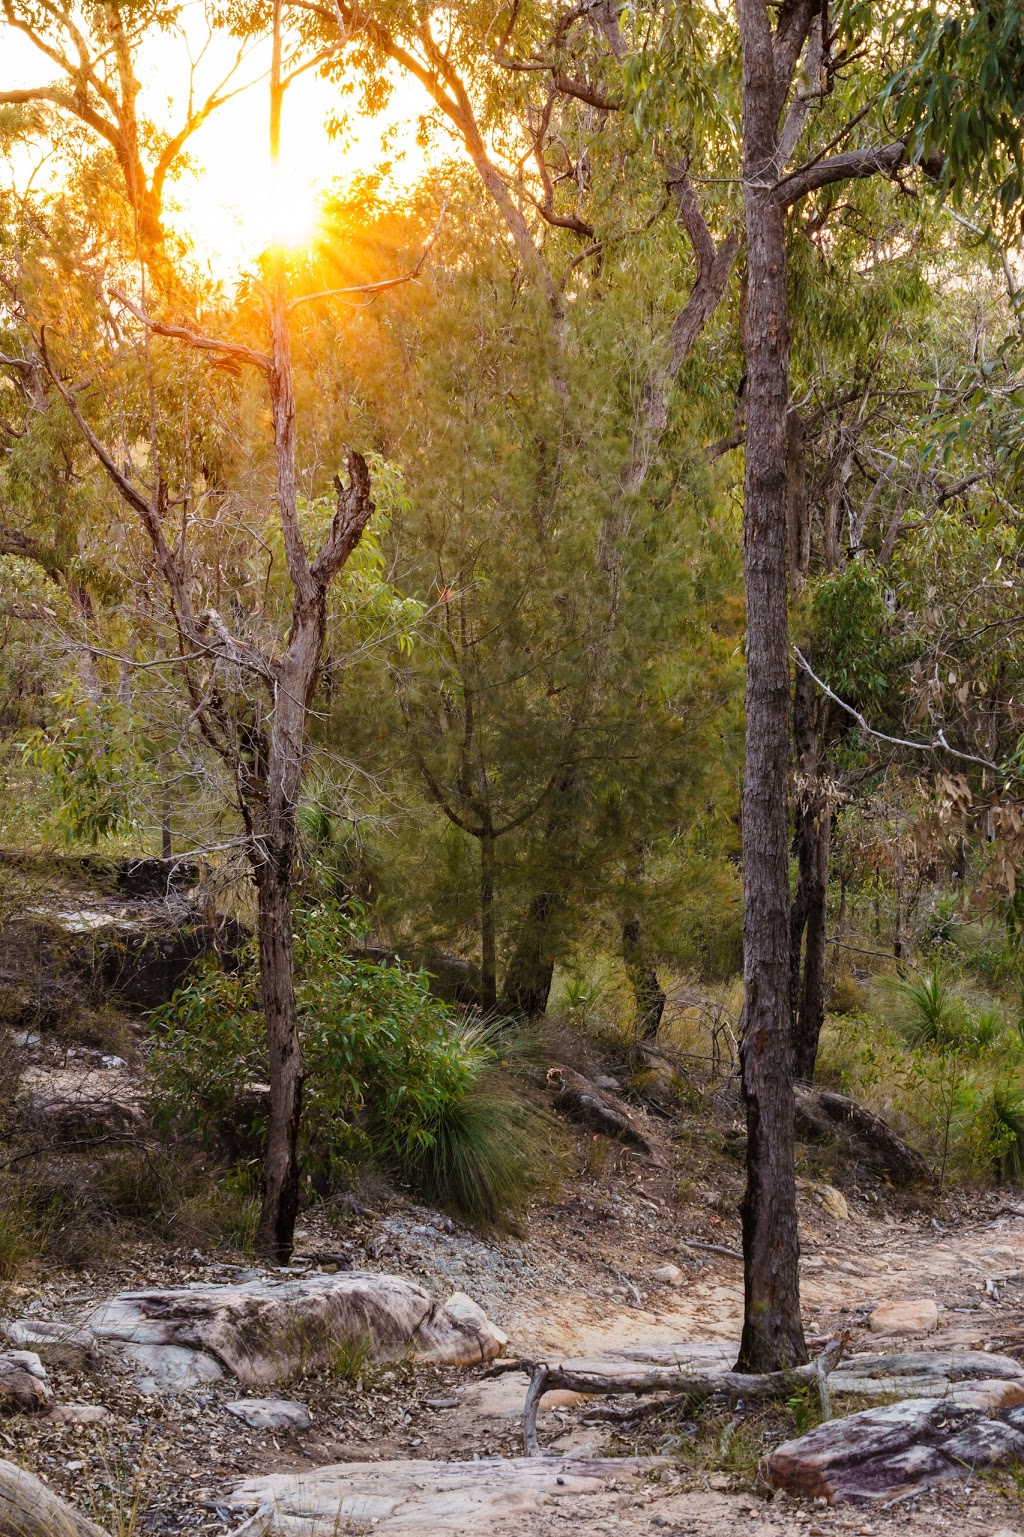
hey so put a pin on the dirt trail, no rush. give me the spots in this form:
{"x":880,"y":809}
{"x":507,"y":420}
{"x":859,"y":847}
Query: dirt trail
{"x":563,"y":1289}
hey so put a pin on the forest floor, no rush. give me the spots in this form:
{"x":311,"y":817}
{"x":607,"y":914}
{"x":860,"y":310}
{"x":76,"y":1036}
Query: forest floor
{"x":578,"y":1280}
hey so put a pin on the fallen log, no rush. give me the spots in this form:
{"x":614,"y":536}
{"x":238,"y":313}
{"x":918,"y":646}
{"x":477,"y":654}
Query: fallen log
{"x":823,"y":1116}
{"x":29,"y":1509}
{"x":544,"y":1376}
{"x":578,"y":1098}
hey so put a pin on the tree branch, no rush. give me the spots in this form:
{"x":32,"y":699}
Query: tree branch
{"x":195,"y":338}
{"x":854,"y":165}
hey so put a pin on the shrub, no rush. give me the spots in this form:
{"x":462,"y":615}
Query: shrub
{"x":1005,"y":1127}
{"x":928,"y":1008}
{"x":388,"y":1073}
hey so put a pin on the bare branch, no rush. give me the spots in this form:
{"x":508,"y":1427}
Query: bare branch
{"x":385,"y":283}
{"x":194,"y":338}
{"x":938,"y":744}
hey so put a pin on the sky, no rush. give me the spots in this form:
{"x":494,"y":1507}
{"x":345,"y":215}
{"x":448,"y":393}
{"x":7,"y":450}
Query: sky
{"x":228,"y":205}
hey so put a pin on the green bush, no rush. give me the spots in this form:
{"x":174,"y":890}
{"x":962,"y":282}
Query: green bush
{"x":928,"y":1009}
{"x":388,"y":1074}
{"x":1005,"y":1127}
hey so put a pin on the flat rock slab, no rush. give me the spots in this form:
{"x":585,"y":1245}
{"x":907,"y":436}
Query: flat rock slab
{"x":265,"y":1330}
{"x":884,"y":1453}
{"x":271,"y":1413}
{"x":918,"y":1317}
{"x":427,"y":1498}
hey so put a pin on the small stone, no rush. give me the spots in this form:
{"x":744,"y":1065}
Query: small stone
{"x":669,"y":1275}
{"x":833,"y":1203}
{"x":78,"y":1414}
{"x":920,"y":1316}
{"x":719,"y":1481}
{"x":271,"y":1413}
{"x":441,"y":1403}
{"x":562,"y":1398}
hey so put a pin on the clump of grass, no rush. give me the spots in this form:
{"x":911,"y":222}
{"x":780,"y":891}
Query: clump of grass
{"x":486,"y":1155}
{"x":17,"y":1241}
{"x":928,"y":1009}
{"x":846,"y":994}
{"x":350,"y":1357}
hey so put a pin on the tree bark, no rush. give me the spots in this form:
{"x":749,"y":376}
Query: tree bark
{"x":773,"y":1336}
{"x":488,"y":939}
{"x":280,"y":1207}
{"x":532,"y":964}
{"x":648,"y":993}
{"x":808,"y":914}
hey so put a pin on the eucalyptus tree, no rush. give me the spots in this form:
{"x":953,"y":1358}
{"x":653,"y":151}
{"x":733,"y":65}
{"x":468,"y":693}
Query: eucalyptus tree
{"x":247,"y":679}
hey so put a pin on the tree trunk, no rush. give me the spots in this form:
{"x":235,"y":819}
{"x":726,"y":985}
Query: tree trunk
{"x":814,"y":839}
{"x":648,"y":993}
{"x":808,"y":915}
{"x":280,"y":1208}
{"x":532,"y":965}
{"x":488,"y":943}
{"x":773,"y":1336}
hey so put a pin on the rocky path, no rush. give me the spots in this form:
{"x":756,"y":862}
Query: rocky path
{"x":189,"y":1457}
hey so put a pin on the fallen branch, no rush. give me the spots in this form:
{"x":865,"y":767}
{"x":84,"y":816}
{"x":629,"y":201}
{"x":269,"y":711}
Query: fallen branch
{"x":660,"y":1379}
{"x":710,"y":1248}
{"x":29,"y":1509}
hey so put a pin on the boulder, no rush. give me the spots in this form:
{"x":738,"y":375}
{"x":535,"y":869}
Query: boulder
{"x":426,"y":1498}
{"x":959,"y":1374}
{"x":597,"y":1109}
{"x":668,"y":1275}
{"x":824,"y":1116}
{"x":884,"y":1453}
{"x":23,"y":1385}
{"x":920,"y":1316}
{"x":29,"y":1509}
{"x":55,"y":1344}
{"x":271,"y":1413}
{"x":266,"y":1330}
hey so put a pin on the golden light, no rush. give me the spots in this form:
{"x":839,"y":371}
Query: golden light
{"x":225,"y":200}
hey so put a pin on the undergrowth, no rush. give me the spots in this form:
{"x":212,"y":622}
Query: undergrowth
{"x":390,"y":1076}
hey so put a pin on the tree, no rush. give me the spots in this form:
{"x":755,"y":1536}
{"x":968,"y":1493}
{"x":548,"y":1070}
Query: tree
{"x":249,"y":695}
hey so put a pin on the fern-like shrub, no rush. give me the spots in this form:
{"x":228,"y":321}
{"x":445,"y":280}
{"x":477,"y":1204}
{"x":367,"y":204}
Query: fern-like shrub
{"x":389,"y":1075}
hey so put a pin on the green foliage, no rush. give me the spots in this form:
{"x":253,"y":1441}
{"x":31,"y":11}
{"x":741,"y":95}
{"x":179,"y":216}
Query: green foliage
{"x":961,"y":94}
{"x":929,"y":1008}
{"x":1004,"y":1124}
{"x":852,"y":635}
{"x":90,"y":759}
{"x":388,"y":1073}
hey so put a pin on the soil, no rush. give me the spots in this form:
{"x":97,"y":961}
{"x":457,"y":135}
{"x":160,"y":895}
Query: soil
{"x":579,"y":1280}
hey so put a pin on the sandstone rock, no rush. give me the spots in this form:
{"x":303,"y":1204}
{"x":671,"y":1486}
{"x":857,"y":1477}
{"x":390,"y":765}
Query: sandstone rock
{"x":917,"y":1317}
{"x":669,"y":1275}
{"x":271,"y":1413}
{"x":29,"y":1509}
{"x":263,"y":1330}
{"x":883,"y":1453}
{"x":78,"y":1414}
{"x":562,"y":1398}
{"x":55,"y":1344}
{"x":425,"y":1498}
{"x":23,"y":1385}
{"x":833,"y":1203}
{"x":597,"y":1109}
{"x":924,"y":1374}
